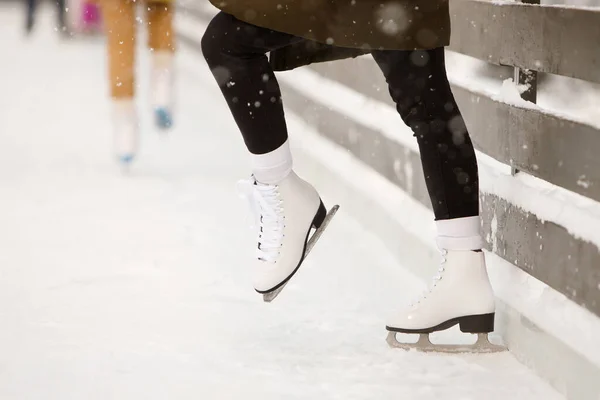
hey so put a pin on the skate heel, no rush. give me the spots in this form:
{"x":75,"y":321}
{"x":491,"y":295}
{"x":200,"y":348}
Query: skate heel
{"x":320,"y":216}
{"x":483,"y":323}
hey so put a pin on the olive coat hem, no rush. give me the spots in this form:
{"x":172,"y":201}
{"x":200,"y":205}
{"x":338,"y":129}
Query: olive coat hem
{"x":358,"y":24}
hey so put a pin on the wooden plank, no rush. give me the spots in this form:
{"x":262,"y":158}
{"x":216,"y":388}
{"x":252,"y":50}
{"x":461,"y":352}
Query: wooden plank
{"x":561,"y":152}
{"x":543,"y":249}
{"x":562,"y":41}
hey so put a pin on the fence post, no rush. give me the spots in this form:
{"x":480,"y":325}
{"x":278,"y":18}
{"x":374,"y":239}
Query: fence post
{"x":529,"y":78}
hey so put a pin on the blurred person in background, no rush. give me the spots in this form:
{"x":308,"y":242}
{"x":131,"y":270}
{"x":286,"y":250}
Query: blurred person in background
{"x":119,"y":17}
{"x":90,"y":22}
{"x":30,"y":15}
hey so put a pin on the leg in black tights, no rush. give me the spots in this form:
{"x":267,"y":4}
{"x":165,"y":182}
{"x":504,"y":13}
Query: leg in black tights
{"x":419,"y":86}
{"x":30,"y":15}
{"x":61,"y":10}
{"x":235,"y":52}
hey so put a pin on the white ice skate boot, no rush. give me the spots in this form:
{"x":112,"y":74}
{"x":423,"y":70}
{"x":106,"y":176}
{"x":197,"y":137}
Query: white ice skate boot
{"x":285,"y":213}
{"x":162,"y":88}
{"x":460,"y":294}
{"x":125,"y":131}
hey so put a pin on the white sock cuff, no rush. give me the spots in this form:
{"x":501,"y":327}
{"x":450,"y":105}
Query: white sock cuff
{"x":459,"y":234}
{"x":273,"y":166}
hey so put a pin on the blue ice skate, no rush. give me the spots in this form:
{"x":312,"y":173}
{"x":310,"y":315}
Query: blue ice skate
{"x":163,"y":117}
{"x":126,"y":159}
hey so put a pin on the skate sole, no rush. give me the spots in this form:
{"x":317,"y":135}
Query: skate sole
{"x":271,"y":294}
{"x":477,"y":324}
{"x":482,"y":345}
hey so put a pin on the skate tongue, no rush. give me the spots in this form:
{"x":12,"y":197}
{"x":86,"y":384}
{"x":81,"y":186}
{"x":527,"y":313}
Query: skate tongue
{"x":432,"y":284}
{"x":269,"y":209}
{"x":245,"y":190}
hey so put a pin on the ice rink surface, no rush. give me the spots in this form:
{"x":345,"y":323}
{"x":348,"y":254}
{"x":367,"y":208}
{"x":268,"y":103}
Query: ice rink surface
{"x":138,"y":287}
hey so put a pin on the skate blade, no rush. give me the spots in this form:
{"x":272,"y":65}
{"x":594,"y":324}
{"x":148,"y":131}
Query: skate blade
{"x":482,"y":345}
{"x":269,"y":297}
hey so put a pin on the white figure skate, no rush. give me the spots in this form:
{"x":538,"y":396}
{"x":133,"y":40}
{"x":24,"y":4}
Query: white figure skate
{"x":286,"y":213}
{"x":461,"y":294}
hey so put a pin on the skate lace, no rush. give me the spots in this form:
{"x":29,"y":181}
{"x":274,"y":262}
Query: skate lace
{"x":434,"y":281}
{"x":267,"y":208}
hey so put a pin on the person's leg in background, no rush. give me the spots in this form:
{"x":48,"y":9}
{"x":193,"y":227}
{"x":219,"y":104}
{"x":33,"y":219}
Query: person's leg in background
{"x":119,"y":23}
{"x":30,"y":15}
{"x":288,"y":206}
{"x":236,"y":54}
{"x":61,"y":17}
{"x":419,"y":86}
{"x":161,"y":41}
{"x":61,"y":24}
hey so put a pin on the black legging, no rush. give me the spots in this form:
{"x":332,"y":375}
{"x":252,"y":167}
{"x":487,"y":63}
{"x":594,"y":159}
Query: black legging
{"x":31,"y":8}
{"x":235,"y":52}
